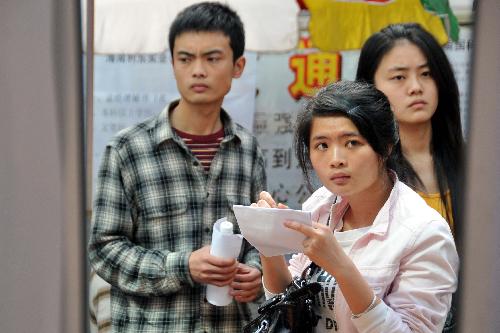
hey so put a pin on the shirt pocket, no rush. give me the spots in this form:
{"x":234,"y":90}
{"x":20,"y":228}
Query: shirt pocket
{"x":165,"y":206}
{"x":165,"y":224}
{"x":379,"y":277}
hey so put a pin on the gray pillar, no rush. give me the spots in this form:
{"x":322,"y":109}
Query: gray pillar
{"x":41,"y":167}
{"x":480,"y":302}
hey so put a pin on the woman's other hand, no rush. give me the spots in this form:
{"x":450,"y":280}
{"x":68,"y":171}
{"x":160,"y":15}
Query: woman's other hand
{"x":267,"y":201}
{"x":320,"y":245}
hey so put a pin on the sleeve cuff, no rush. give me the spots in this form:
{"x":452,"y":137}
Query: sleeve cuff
{"x":267,"y":293}
{"x":177,"y":263}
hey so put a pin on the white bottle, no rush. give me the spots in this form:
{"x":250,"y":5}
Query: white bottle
{"x":221,"y":247}
{"x":226,"y":228}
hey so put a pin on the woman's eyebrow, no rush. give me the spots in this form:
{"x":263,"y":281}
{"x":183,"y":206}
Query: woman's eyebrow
{"x":341,"y":135}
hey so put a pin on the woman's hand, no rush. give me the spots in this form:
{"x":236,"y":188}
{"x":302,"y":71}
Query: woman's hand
{"x":267,"y":201}
{"x":324,"y":250}
{"x":320,"y":245}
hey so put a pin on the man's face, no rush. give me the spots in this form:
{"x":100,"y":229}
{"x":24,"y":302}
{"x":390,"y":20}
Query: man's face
{"x":203,"y":67}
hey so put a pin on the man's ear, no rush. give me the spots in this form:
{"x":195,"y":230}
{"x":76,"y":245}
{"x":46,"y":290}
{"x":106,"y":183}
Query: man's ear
{"x":238,"y":67}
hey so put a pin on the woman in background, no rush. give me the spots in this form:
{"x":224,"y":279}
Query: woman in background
{"x":408,"y":65}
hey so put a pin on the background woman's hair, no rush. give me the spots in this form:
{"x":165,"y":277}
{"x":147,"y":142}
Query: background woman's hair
{"x":360,"y":102}
{"x":447,"y":145}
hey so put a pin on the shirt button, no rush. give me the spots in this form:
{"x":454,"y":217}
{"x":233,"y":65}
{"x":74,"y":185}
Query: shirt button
{"x":195,"y":163}
{"x":208,"y":194}
{"x":207,"y":230}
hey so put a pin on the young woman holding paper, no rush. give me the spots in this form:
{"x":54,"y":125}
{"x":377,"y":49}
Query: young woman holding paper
{"x":386,"y":261}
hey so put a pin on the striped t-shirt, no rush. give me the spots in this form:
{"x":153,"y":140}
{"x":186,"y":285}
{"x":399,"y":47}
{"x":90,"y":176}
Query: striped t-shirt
{"x":204,"y":147}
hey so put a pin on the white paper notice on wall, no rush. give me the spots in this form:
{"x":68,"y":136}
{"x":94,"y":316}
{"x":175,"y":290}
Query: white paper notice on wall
{"x":264,"y":228}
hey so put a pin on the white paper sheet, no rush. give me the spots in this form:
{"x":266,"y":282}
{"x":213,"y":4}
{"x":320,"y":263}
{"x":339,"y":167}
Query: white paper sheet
{"x":264,"y":229}
{"x":225,"y":245}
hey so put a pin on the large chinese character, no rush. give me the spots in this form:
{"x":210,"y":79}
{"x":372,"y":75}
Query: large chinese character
{"x":313,"y":71}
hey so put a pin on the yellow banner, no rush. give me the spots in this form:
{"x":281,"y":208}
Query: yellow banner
{"x":344,"y":25}
{"x":312,"y":69}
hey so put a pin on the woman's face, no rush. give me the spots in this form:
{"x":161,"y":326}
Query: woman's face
{"x":344,"y":161}
{"x":403,"y":75}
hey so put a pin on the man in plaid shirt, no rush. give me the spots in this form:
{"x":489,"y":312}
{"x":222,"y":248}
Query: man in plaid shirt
{"x":164,"y":182}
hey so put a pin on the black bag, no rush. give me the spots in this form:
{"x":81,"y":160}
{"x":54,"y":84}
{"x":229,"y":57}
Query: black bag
{"x":289,"y":312}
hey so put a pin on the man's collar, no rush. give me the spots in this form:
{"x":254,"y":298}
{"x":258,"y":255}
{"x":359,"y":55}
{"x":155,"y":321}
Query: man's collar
{"x":165,"y":132}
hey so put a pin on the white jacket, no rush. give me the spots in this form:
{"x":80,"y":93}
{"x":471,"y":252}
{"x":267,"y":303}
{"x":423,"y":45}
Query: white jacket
{"x":408,"y":257}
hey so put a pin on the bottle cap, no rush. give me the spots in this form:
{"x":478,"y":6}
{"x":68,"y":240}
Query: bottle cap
{"x":226,"y":227}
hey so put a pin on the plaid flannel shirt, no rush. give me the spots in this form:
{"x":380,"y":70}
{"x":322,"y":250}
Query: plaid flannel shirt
{"x":154,"y":205}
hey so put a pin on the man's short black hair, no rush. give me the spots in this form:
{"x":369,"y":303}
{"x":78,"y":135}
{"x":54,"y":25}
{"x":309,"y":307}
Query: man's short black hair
{"x":210,"y":17}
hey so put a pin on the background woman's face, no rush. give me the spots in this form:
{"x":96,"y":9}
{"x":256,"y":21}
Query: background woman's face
{"x":404,"y":76}
{"x":344,"y":161}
